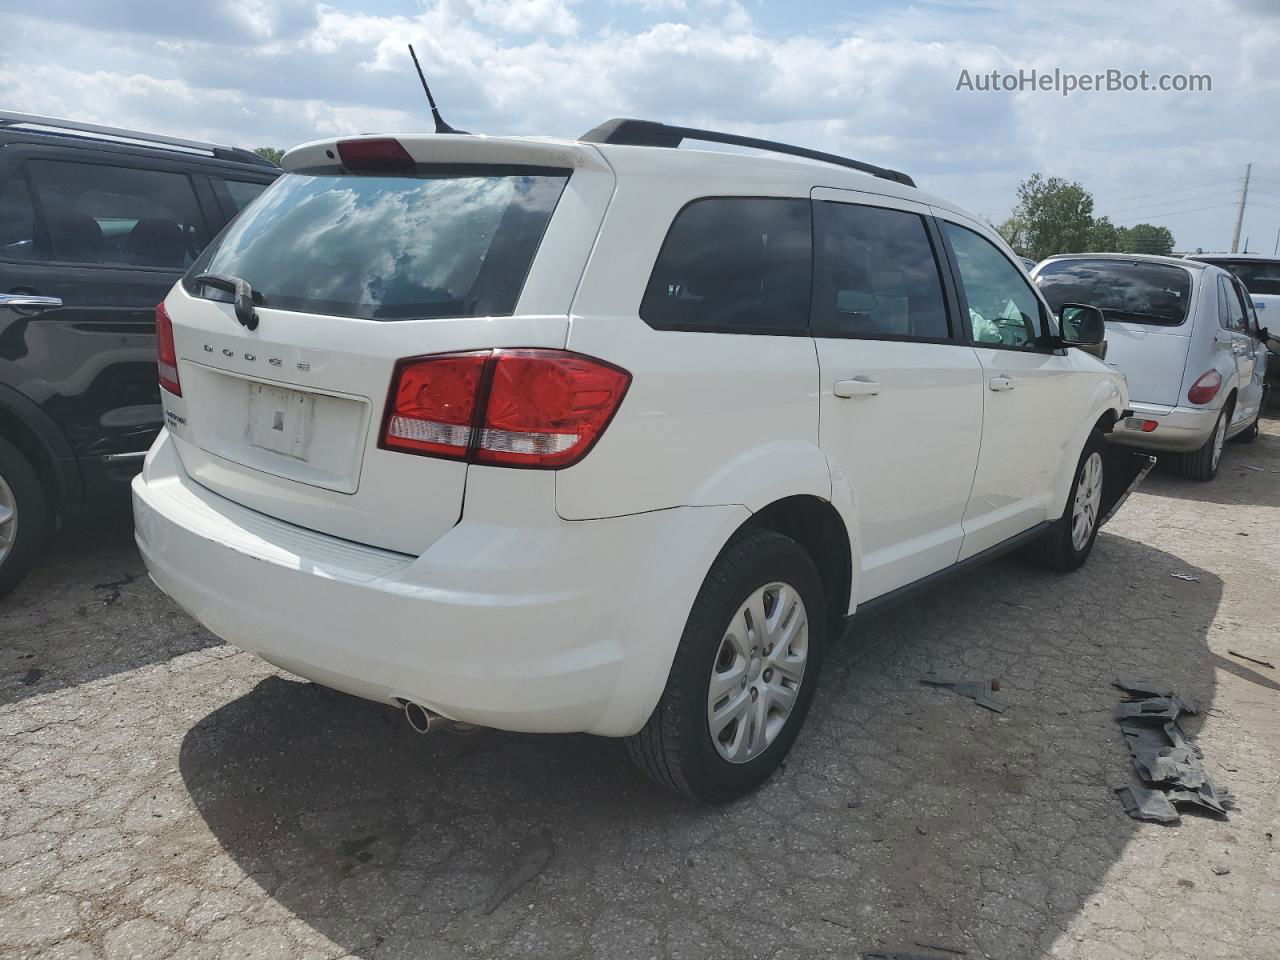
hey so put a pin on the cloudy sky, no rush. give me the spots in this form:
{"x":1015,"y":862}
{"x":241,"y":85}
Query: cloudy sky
{"x":875,"y":80}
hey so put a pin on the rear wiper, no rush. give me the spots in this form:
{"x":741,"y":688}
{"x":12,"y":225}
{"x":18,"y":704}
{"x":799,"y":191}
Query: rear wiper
{"x":244,"y":300}
{"x":1142,"y":316}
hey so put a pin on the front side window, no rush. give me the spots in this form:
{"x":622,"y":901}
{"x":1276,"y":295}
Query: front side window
{"x":734,"y":265}
{"x":435,"y":244}
{"x":875,"y":275}
{"x":1131,"y":291}
{"x":1230,"y":309}
{"x":1003,"y":309}
{"x":99,"y":213}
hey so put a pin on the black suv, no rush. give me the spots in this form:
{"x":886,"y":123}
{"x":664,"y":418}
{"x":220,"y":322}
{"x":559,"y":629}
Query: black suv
{"x":96,"y":224}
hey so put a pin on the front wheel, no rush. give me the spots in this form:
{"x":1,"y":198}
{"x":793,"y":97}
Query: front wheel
{"x":744,"y":672}
{"x":1070,"y":540}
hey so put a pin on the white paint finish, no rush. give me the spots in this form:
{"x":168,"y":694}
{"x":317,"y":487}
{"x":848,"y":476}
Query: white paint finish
{"x":550,"y":576}
{"x":1151,"y":357}
{"x":402,"y":502}
{"x":1024,"y":440}
{"x":513,"y":619}
{"x":710,"y":418}
{"x":888,"y":451}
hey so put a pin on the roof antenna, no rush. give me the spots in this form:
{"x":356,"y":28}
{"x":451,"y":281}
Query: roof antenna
{"x":441,"y":126}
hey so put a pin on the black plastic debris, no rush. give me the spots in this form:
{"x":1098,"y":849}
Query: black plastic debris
{"x":981,"y":692}
{"x":1164,"y":756}
{"x":1143,"y":804}
{"x":1142,"y":688}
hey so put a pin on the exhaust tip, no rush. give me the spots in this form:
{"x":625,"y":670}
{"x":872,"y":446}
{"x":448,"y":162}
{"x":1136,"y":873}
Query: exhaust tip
{"x":420,"y":718}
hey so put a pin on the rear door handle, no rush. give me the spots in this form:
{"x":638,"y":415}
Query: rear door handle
{"x":1002,"y":382}
{"x":857,"y":387}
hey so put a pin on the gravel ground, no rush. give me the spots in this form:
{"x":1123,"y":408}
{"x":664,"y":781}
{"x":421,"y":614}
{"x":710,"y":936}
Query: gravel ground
{"x":164,"y":795}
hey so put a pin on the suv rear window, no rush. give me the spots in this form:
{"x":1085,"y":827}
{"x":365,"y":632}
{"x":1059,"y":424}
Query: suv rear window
{"x":734,"y":265}
{"x":1259,"y":276}
{"x":455,"y":243}
{"x":1126,"y":290}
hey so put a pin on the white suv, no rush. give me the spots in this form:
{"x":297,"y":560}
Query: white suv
{"x":604,"y":435}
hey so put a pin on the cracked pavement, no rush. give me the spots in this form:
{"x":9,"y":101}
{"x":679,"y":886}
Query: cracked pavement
{"x":163,"y":795}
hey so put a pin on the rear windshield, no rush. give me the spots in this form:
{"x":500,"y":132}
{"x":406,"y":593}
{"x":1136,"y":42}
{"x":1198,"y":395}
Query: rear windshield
{"x":454,"y":243}
{"x":1259,"y":276}
{"x":1126,"y":290}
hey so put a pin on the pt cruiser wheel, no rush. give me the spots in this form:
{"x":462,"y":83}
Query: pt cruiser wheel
{"x":744,"y":672}
{"x":1202,"y":464}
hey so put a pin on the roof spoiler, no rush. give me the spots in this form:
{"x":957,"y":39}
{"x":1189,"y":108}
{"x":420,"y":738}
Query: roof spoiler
{"x":648,"y":133}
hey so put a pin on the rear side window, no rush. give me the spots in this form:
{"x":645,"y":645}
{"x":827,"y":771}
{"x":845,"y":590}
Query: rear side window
{"x":1259,"y":276}
{"x":1127,"y":290}
{"x":734,"y":265}
{"x":1230,"y":308}
{"x":99,"y":213}
{"x":876,"y":275}
{"x":17,"y":220}
{"x":243,"y":192}
{"x":447,"y":244}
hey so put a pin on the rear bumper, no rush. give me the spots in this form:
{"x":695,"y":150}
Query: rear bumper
{"x":1178,"y":429}
{"x":558,"y":627}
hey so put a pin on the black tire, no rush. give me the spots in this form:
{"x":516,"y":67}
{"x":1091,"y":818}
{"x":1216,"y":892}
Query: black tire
{"x":1203,"y":464}
{"x":1249,"y":433}
{"x":30,"y":528}
{"x":675,"y":748}
{"x":1056,"y":549}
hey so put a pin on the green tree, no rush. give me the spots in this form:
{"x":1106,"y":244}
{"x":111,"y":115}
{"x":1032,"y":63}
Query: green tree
{"x":1104,"y":237}
{"x":1145,"y":238}
{"x":1014,"y":231}
{"x":271,"y":153}
{"x":1056,"y":215}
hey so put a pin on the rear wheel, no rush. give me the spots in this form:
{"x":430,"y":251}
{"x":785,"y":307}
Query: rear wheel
{"x":24,"y":517}
{"x":744,"y":672}
{"x":1070,"y":540}
{"x":1202,"y":464}
{"x":1249,"y":433}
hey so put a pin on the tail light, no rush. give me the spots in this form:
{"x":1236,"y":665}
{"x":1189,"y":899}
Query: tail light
{"x":1205,"y":388}
{"x":515,"y":408}
{"x":166,"y":353}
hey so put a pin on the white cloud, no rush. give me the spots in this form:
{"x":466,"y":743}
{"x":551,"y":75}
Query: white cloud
{"x":881,"y":87}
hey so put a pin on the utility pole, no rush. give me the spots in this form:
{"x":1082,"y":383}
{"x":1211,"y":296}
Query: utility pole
{"x":1244,"y":196}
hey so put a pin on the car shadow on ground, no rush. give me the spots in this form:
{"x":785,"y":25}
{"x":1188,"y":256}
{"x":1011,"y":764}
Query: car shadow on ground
{"x":905,"y":813}
{"x":1253,"y":469}
{"x":74,"y":619}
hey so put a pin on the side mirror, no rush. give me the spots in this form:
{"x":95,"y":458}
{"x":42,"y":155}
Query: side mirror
{"x":1264,"y":334}
{"x":1082,"y":325}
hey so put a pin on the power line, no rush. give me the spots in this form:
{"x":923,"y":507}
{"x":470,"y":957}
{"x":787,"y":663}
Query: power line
{"x":1160,"y":193}
{"x":1178,"y":213}
{"x":1167,"y":203}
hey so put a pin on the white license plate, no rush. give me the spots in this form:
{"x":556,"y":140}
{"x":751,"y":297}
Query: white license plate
{"x":281,"y":420}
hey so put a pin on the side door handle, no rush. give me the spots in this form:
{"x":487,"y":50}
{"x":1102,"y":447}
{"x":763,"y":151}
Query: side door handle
{"x":1002,"y":382}
{"x":857,"y":387}
{"x":29,"y":300}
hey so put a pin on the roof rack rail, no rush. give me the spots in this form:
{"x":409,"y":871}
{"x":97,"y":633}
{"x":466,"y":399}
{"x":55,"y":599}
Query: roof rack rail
{"x":648,"y":133}
{"x":90,"y":130}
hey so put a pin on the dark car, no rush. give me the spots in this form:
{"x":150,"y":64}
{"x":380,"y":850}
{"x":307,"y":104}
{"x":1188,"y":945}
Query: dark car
{"x":96,"y":224}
